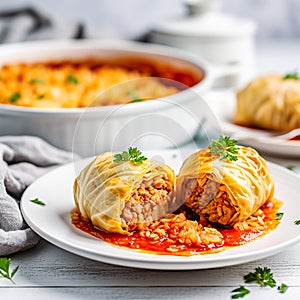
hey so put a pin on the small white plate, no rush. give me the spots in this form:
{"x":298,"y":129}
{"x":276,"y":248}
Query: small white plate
{"x":223,"y":105}
{"x":53,"y":222}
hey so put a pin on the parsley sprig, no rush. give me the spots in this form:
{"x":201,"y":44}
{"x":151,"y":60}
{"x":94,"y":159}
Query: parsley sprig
{"x":291,"y":75}
{"x":224,"y":148}
{"x":297,"y":222}
{"x":240,"y":292}
{"x":262,"y":276}
{"x":4,"y":269}
{"x":133,"y":154}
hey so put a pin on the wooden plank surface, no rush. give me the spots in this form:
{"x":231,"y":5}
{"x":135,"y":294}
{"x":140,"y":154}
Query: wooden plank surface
{"x":211,"y":293}
{"x":49,"y":271}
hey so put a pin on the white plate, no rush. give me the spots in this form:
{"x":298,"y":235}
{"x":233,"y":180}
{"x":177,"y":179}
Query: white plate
{"x":53,"y":223}
{"x":223,"y":105}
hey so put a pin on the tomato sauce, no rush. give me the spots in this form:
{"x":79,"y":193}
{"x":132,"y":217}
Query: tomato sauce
{"x":295,"y":138}
{"x":231,"y":237}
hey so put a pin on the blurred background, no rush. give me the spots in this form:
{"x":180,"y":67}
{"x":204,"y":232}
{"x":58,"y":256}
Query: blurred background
{"x":132,"y":18}
{"x":274,"y":21}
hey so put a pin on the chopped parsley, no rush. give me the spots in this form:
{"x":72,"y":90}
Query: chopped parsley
{"x":279,"y":216}
{"x":291,"y":75}
{"x":136,"y":100}
{"x":72,"y":79}
{"x":15,"y":97}
{"x":38,"y":201}
{"x":240,"y":292}
{"x":4,"y":269}
{"x":40,"y":96}
{"x":37,"y":81}
{"x":282,"y":288}
{"x":291,"y":168}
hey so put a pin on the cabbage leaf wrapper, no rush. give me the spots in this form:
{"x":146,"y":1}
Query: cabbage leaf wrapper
{"x":224,"y":191}
{"x":121,"y":196}
{"x":269,"y":102}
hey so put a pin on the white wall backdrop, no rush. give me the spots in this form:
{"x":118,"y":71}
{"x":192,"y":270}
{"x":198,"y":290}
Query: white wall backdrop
{"x":130,"y":18}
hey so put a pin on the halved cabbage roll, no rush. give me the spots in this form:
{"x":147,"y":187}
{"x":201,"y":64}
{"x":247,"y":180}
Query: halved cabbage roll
{"x":269,"y":102}
{"x":118,"y":196}
{"x":224,"y":191}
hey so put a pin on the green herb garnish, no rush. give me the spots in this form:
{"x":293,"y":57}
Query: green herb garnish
{"x":14,"y":97}
{"x":282,"y":288}
{"x":72,"y":79}
{"x":136,"y":100}
{"x":225,"y":148}
{"x":37,"y":81}
{"x":240,"y":292}
{"x":291,"y":75}
{"x":291,"y":168}
{"x":133,"y":154}
{"x":38,"y":201}
{"x":297,"y":222}
{"x":262,"y":276}
{"x":279,"y":216}
{"x":40,"y":96}
{"x":4,"y":269}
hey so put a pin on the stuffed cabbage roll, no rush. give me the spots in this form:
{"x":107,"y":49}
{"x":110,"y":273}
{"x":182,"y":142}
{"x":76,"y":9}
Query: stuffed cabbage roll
{"x":270,"y":102}
{"x":224,"y":191}
{"x":118,"y":196}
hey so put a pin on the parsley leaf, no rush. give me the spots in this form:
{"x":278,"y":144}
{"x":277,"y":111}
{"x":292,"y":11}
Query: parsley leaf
{"x":282,"y":288}
{"x":279,"y":216}
{"x":4,"y":269}
{"x":133,"y":154}
{"x":262,"y":276}
{"x":72,"y":79}
{"x":291,"y":168}
{"x":240,"y":292}
{"x":40,"y":96}
{"x":297,"y":222}
{"x":38,"y":201}
{"x":37,"y":81}
{"x":136,"y":100}
{"x":225,"y":148}
{"x":14,"y":97}
{"x":291,"y":75}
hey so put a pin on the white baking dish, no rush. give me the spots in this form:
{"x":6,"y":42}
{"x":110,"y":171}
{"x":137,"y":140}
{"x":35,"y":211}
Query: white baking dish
{"x":151,"y":124}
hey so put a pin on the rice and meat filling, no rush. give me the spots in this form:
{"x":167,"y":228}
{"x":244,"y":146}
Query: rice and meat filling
{"x":148,"y":203}
{"x":178,"y":233}
{"x":209,"y":200}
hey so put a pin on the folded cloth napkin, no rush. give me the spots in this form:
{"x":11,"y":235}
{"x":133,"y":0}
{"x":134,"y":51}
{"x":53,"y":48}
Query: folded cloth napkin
{"x":22,"y":160}
{"x":28,"y":23}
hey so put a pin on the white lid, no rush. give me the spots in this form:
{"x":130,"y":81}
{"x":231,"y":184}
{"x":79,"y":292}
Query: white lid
{"x":207,"y":21}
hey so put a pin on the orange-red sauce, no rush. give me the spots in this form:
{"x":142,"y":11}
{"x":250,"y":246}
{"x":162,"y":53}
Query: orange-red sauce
{"x":295,"y":138}
{"x":232,"y":237}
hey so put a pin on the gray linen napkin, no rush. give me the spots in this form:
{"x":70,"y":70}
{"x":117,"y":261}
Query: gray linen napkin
{"x":22,"y":160}
{"x":29,"y":23}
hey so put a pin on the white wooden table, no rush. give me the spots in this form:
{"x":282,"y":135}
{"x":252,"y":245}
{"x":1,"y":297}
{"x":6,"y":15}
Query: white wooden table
{"x":47,"y":272}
